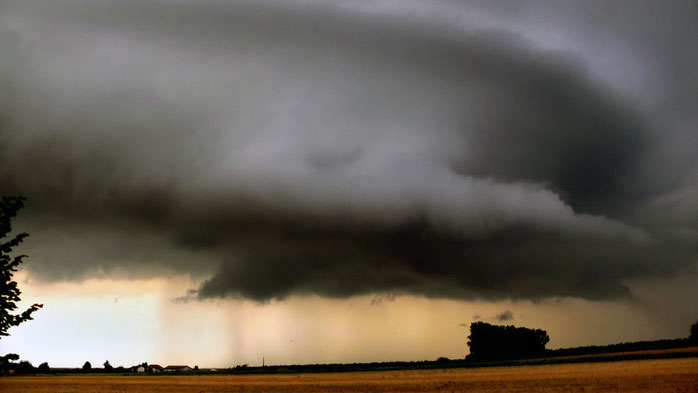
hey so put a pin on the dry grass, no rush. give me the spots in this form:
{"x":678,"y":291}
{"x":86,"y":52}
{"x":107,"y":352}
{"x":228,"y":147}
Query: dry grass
{"x":665,"y":375}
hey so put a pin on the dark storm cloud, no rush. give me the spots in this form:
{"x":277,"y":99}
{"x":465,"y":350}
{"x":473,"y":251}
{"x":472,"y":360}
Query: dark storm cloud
{"x":317,"y":148}
{"x":504,"y":316}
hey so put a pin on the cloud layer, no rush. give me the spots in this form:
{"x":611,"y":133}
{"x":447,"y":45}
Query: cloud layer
{"x":311,"y":148}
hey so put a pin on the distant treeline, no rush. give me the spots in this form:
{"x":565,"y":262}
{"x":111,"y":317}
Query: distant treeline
{"x":341,"y":367}
{"x":442,"y":363}
{"x":623,"y":347}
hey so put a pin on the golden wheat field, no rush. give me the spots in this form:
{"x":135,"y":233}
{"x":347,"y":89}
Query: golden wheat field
{"x":667,"y":375}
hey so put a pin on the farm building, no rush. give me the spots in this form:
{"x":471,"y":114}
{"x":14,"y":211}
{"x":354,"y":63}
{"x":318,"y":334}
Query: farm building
{"x":155,"y":368}
{"x":176,"y":369}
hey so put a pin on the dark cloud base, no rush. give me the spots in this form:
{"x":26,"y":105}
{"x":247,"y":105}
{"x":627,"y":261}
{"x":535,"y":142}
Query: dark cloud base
{"x":417,"y":259}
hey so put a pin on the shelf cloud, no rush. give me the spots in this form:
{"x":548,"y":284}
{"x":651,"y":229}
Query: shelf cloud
{"x":311,"y":148}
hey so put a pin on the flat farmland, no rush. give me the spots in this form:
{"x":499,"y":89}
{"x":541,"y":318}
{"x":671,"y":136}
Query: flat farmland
{"x":664,"y":375}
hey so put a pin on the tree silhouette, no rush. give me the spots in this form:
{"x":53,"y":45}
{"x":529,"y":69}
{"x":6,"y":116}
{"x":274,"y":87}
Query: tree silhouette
{"x":693,"y":338}
{"x":44,"y":368}
{"x":107,"y":366}
{"x":491,"y":342}
{"x":87,"y":366}
{"x":6,"y":362}
{"x":9,"y":292}
{"x":25,"y":367}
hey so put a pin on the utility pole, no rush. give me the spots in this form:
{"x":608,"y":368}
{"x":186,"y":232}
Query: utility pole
{"x":262,"y":361}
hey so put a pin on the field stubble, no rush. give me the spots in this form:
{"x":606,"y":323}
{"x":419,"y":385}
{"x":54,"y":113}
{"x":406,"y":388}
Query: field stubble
{"x":665,"y":375}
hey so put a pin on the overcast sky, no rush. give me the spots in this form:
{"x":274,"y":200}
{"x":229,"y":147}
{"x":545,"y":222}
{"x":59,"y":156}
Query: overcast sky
{"x":526,"y":162}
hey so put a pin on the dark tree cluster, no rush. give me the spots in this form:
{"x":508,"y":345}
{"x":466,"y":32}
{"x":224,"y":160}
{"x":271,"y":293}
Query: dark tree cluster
{"x":9,"y":292}
{"x":9,"y":366}
{"x":44,"y":368}
{"x":492,"y":342}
